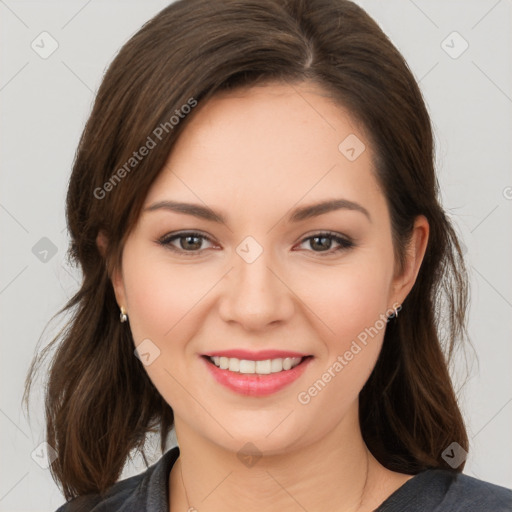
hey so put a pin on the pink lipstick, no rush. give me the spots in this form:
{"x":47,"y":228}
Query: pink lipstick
{"x":256,"y":374}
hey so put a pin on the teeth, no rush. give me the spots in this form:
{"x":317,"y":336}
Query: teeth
{"x":264,"y":367}
{"x":234,"y":365}
{"x":276,"y":365}
{"x":247,"y":366}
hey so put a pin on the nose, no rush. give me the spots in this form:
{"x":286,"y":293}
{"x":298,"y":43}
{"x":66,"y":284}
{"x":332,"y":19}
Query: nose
{"x":256,"y":294}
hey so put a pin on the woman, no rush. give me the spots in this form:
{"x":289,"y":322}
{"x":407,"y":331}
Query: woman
{"x":255,"y":210}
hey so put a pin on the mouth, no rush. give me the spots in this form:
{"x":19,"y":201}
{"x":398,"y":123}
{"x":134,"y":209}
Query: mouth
{"x":259,"y":375}
{"x":259,"y":367}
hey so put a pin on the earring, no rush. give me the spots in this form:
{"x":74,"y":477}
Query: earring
{"x":123,"y":316}
{"x":396,"y":309}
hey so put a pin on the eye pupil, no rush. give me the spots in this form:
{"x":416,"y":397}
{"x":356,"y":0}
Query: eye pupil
{"x":193,"y":245}
{"x":321,"y":245}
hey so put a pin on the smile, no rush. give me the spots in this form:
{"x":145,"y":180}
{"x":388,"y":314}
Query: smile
{"x":256,"y":375}
{"x":264,"y":367}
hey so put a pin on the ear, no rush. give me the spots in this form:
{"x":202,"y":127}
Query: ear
{"x":415,"y":251}
{"x":116,"y":275}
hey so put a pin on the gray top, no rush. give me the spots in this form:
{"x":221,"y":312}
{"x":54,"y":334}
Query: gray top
{"x":433,"y":490}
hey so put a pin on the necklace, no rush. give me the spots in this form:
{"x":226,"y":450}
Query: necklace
{"x":365,"y":480}
{"x":189,"y":509}
{"x":192,"y":509}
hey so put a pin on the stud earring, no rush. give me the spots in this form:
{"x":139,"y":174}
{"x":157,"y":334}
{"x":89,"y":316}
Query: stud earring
{"x":123,"y":316}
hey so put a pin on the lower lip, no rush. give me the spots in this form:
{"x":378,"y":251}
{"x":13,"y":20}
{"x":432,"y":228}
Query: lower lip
{"x":251,"y":384}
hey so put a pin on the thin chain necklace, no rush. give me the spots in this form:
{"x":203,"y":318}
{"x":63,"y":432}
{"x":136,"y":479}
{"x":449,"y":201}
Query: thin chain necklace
{"x":365,"y":480}
{"x":191,"y":509}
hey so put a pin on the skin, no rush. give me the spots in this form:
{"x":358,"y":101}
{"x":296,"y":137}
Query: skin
{"x":254,"y":155}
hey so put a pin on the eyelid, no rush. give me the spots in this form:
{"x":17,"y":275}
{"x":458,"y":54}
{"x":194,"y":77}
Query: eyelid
{"x":345,"y":242}
{"x":166,"y":240}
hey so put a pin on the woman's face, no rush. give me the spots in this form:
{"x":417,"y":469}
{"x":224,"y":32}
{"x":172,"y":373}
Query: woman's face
{"x":264,"y":288}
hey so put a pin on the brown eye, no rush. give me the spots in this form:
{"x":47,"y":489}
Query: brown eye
{"x":187,"y":242}
{"x":322,"y":243}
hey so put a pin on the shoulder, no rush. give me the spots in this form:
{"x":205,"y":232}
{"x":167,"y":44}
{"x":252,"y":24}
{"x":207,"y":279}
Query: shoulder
{"x":471,"y":494}
{"x":439,"y":490}
{"x":145,"y":492}
{"x":118,"y":495}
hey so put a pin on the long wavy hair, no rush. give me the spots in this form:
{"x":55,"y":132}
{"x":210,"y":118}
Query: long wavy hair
{"x":100,"y":404}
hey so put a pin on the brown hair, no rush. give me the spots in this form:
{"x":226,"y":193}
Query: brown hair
{"x":100,"y":404}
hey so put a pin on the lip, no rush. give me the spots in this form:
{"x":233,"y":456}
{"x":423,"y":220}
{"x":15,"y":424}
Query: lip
{"x":261,"y":355}
{"x":251,"y":384}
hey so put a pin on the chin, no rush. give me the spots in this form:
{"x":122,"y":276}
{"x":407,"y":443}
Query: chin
{"x":268,"y":433}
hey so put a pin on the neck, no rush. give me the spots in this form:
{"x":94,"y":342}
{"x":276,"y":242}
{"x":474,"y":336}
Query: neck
{"x":338,"y":473}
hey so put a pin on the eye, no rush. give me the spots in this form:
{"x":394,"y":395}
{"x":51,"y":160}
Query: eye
{"x":187,"y":242}
{"x":323,"y":242}
{"x":190,"y":243}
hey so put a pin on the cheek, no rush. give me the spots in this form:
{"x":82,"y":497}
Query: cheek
{"x":161,"y":301}
{"x":352,"y":306}
{"x":160,"y":296}
{"x":351,"y":300}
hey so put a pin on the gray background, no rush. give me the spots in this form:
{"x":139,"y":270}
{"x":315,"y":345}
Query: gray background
{"x":45,"y":103}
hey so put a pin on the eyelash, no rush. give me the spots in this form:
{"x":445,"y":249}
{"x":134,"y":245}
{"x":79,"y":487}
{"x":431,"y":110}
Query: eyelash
{"x":344,"y":243}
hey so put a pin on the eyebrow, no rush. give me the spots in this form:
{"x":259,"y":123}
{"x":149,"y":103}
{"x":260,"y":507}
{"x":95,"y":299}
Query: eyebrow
{"x":297,"y":215}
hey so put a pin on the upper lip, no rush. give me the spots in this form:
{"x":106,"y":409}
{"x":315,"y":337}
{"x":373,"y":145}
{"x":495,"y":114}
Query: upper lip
{"x":260,"y":355}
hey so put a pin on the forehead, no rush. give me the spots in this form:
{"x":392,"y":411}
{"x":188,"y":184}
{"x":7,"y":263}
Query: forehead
{"x":276,"y":144}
